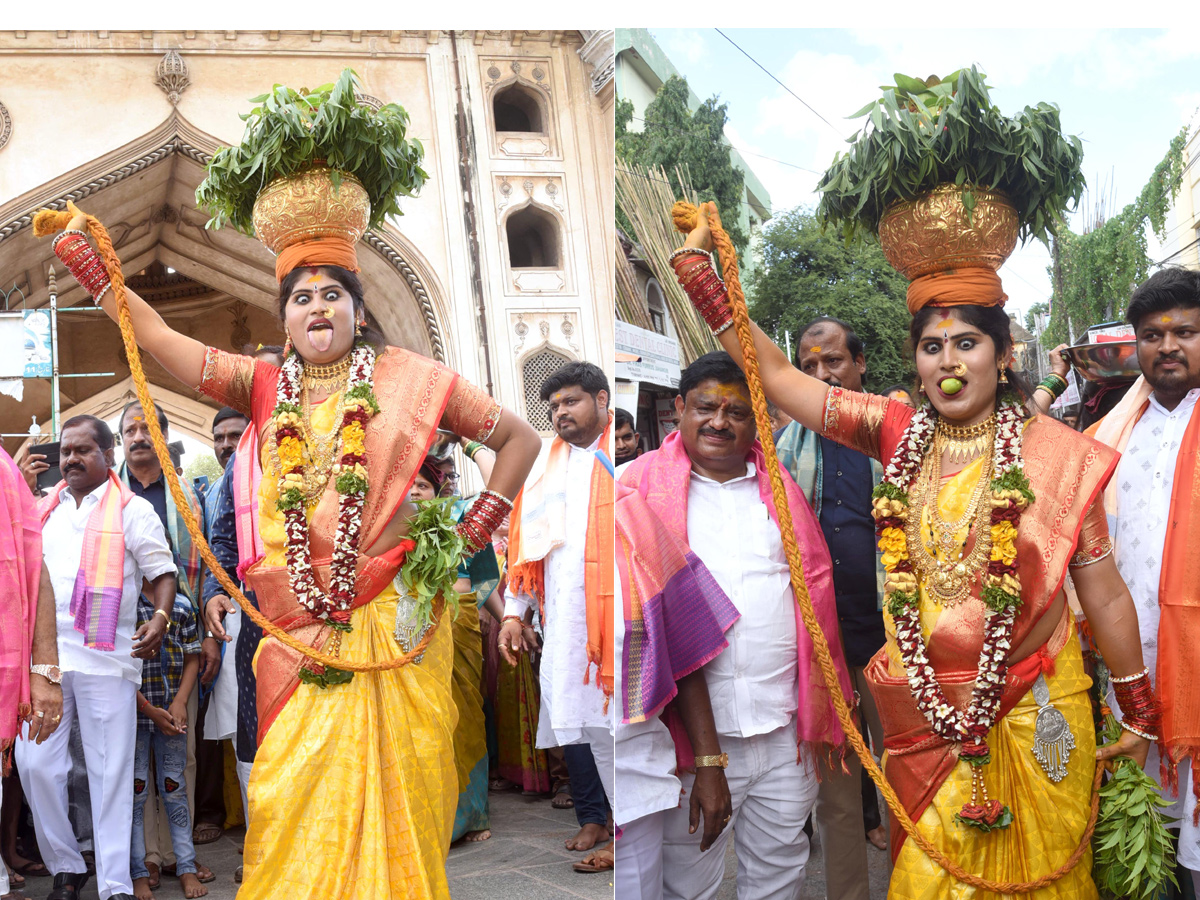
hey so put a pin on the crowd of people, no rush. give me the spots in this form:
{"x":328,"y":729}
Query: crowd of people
{"x":614,"y":628}
{"x":136,"y":674}
{"x":956,"y":552}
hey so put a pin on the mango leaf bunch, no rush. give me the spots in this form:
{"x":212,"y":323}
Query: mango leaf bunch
{"x":922,"y":134}
{"x":1133,"y":856}
{"x":431,"y":564}
{"x":291,"y":130}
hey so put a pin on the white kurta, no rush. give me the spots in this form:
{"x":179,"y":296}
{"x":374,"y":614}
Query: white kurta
{"x":1145,"y":478}
{"x":568,"y":704}
{"x":752,"y":682}
{"x":146,"y":554}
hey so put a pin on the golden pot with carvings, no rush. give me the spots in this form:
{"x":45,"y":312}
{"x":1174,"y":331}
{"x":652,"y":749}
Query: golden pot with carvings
{"x":934,"y":232}
{"x":306,"y":205}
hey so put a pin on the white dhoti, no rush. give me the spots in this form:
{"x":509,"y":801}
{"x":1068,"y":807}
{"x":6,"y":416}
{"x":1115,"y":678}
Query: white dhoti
{"x":105,"y":706}
{"x":772,"y":798}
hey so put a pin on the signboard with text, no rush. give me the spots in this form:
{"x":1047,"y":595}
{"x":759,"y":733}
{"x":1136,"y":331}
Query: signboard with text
{"x":656,"y":356}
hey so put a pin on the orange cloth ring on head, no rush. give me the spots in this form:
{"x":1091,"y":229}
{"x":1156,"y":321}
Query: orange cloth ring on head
{"x":956,"y":287}
{"x":321,"y":251}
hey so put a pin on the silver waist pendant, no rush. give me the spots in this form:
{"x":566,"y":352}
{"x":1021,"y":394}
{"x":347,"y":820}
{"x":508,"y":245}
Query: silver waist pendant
{"x":409,"y":629}
{"x":1052,"y":739}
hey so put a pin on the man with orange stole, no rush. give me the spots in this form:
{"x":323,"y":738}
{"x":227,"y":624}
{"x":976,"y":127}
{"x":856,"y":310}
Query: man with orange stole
{"x":1153,"y":503}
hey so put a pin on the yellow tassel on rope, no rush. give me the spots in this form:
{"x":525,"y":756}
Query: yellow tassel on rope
{"x":686,"y":217}
{"x":47,"y":222}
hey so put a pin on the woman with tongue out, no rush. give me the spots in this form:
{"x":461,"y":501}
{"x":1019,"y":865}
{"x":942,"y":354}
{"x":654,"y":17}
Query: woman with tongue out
{"x":982,"y":509}
{"x":354,"y":786}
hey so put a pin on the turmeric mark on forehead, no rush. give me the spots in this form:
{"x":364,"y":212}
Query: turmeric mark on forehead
{"x":816,"y":349}
{"x":945,"y":323}
{"x":314,"y":278}
{"x":731,"y":391}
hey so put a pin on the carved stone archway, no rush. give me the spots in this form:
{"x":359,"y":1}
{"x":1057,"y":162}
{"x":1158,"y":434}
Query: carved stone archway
{"x":144,"y":192}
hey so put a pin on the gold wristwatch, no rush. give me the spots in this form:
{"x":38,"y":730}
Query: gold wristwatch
{"x":721,"y":761}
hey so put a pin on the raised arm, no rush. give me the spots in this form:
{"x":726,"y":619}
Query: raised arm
{"x":179,"y":354}
{"x":800,"y":396}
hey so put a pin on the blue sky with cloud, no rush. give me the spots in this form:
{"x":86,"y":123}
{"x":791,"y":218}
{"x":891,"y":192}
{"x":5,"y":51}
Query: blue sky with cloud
{"x":1125,"y":92}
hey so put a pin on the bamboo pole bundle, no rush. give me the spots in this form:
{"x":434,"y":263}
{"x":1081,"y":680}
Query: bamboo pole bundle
{"x":646,"y":197}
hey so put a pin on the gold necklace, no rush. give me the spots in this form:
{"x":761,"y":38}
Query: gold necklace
{"x":965,"y":442}
{"x":320,"y":451}
{"x":332,"y":377}
{"x":939,"y":559}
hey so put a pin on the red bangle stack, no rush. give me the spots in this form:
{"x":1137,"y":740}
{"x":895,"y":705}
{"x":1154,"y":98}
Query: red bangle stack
{"x":77,"y":255}
{"x":1140,"y":712}
{"x":483,"y":518}
{"x":705,"y":289}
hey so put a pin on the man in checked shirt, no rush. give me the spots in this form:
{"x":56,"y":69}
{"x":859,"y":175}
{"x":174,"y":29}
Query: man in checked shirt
{"x":168,"y":679}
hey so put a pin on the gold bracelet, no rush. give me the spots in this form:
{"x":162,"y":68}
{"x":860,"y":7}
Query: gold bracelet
{"x":166,"y":615}
{"x":720,"y":761}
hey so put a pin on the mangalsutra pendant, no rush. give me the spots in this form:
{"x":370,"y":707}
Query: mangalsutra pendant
{"x":1052,"y":738}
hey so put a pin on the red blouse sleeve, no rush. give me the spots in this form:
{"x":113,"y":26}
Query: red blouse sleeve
{"x":1094,"y":543}
{"x":240,"y":382}
{"x":865,"y":422}
{"x":470,"y":412}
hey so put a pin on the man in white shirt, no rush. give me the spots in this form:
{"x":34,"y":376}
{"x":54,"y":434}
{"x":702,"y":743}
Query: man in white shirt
{"x":707,"y":484}
{"x":1151,"y":504}
{"x":100,"y":653}
{"x":561,"y":555}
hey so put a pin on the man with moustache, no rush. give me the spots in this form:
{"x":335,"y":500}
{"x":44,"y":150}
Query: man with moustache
{"x":838,"y":482}
{"x":709,"y":486}
{"x":143,"y":473}
{"x":561,"y":555}
{"x":1152,"y":510}
{"x":100,"y":541}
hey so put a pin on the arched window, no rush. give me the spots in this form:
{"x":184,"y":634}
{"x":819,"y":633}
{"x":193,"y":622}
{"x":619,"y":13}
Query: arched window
{"x":656,"y":304}
{"x":532,"y":239}
{"x":537,"y":369}
{"x":516,"y":108}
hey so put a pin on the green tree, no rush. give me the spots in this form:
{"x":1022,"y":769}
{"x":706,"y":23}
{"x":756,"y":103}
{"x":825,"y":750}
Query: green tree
{"x":203,"y":464}
{"x":1094,"y":273}
{"x":673,"y":136}
{"x":806,"y":273}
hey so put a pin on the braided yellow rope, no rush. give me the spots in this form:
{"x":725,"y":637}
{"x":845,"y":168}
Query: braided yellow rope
{"x":47,"y":222}
{"x":686,"y":217}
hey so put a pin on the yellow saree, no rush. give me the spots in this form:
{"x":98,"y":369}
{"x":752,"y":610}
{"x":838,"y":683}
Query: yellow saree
{"x":353,"y":789}
{"x":363,"y":811}
{"x":1047,"y":816}
{"x":1065,"y":526}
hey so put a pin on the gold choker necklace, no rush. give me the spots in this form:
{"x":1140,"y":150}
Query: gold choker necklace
{"x":965,"y":442}
{"x":331,"y":377}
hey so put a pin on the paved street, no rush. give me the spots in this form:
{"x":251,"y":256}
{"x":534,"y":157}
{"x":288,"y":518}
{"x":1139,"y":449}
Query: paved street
{"x":524,"y":860}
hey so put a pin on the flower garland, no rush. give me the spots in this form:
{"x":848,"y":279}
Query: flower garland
{"x":1010,"y":494}
{"x":358,"y":406}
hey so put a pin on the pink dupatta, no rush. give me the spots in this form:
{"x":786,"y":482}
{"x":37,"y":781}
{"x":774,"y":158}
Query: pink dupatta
{"x":20,"y":575}
{"x":662,"y":478}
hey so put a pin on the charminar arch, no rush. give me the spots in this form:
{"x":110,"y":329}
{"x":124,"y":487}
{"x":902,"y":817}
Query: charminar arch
{"x":122,"y":123}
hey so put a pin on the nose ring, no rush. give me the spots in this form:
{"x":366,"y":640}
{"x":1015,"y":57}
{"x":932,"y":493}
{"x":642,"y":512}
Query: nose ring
{"x":960,"y":368}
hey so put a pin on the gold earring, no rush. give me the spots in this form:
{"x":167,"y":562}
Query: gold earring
{"x":287,"y":345}
{"x":1003,"y":377}
{"x":358,"y":330}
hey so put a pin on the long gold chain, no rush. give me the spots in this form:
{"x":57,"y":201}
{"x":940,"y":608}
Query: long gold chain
{"x":320,"y":450}
{"x":949,"y":577}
